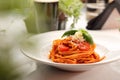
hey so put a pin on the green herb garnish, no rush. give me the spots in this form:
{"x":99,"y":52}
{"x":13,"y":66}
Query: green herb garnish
{"x":70,"y":32}
{"x":85,"y":35}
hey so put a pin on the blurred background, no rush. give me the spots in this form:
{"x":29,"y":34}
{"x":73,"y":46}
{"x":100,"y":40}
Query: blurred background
{"x":13,"y":15}
{"x":19,"y":20}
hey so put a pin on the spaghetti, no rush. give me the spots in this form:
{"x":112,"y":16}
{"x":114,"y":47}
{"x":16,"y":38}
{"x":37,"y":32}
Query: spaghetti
{"x":72,"y":50}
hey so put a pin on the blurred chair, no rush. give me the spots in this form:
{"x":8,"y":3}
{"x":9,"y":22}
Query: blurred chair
{"x":108,"y":19}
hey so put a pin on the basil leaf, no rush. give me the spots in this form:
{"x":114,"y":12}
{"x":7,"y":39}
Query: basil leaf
{"x":87,"y":36}
{"x":70,"y":32}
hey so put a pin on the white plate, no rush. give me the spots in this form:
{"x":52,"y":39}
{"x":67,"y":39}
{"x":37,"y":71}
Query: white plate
{"x":37,"y":48}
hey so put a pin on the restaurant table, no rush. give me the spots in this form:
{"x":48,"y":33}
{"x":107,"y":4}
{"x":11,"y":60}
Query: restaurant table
{"x":14,"y":30}
{"x":105,"y":72}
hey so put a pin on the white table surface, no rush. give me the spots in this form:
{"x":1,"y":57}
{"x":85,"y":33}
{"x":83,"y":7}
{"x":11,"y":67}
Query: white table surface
{"x":15,"y":28}
{"x":49,"y":73}
{"x":106,"y":72}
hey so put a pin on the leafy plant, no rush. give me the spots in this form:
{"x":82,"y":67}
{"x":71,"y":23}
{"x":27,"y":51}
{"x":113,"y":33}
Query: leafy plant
{"x":71,"y":8}
{"x":7,"y":69}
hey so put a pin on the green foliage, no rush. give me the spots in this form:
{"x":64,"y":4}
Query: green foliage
{"x":7,"y":68}
{"x":71,"y":8}
{"x":14,"y":4}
